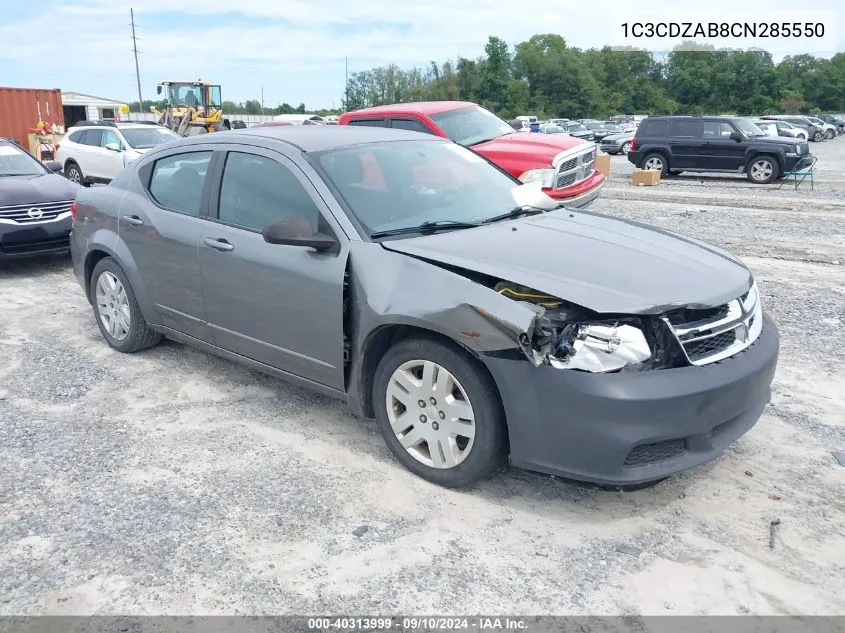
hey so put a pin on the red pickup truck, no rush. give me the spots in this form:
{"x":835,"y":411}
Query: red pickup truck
{"x":564,"y":164}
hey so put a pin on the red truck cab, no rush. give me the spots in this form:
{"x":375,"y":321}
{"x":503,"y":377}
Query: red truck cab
{"x":564,"y":164}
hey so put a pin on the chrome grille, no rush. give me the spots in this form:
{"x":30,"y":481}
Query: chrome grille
{"x":713,"y":334}
{"x":572,"y":167}
{"x":35,"y":213}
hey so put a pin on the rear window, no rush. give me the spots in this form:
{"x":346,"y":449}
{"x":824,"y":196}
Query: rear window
{"x":76,"y":136}
{"x":368,"y":122}
{"x":653,"y":127}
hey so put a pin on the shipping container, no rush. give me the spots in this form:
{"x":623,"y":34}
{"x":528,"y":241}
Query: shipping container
{"x":22,"y":108}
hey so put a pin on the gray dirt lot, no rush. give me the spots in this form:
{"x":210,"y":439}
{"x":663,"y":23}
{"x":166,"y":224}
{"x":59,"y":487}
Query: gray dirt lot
{"x":175,"y":482}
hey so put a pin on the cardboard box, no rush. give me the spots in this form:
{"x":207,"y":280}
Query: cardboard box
{"x":603,"y":163}
{"x":645,"y":177}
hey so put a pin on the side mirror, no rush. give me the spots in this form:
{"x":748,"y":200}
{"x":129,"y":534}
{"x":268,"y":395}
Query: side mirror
{"x":114,"y":147}
{"x":298,"y":232}
{"x":736,"y":136}
{"x":158,"y":89}
{"x":53,"y":165}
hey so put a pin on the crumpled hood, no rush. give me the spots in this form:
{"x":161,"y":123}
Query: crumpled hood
{"x":519,"y":145}
{"x":35,"y":189}
{"x":603,"y":264}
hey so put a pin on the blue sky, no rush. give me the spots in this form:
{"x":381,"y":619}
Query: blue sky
{"x":295,"y":49}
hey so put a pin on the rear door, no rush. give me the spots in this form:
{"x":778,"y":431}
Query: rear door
{"x":87,"y":155}
{"x":718,"y":149}
{"x":277,"y":304}
{"x":161,"y":228}
{"x":685,"y":143}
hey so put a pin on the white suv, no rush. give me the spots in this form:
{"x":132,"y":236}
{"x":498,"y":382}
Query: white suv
{"x":97,"y":151}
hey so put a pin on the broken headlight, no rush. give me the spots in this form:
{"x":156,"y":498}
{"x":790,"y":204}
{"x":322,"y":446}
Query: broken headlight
{"x":599,"y":347}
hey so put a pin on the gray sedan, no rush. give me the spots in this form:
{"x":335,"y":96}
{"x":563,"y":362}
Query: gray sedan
{"x":429,"y":289}
{"x":617,"y":143}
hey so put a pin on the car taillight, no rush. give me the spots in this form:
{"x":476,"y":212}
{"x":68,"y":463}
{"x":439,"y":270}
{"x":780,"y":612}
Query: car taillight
{"x":633,"y":143}
{"x":73,"y":210}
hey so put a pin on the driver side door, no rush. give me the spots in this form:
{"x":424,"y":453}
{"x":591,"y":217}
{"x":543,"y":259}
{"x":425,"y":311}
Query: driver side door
{"x":277,"y":304}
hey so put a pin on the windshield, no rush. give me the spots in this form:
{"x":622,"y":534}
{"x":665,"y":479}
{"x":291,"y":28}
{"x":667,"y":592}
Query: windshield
{"x":552,"y":129}
{"x":16,"y":162}
{"x":145,"y":138}
{"x":748,"y":128}
{"x":185,"y":95}
{"x":388,"y":186}
{"x":595,"y":126}
{"x":577,"y":127}
{"x":469,"y":126}
{"x":613,"y":127}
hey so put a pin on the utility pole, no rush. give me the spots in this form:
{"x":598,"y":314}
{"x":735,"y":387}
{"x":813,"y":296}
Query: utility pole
{"x":346,"y":102}
{"x":137,"y":72}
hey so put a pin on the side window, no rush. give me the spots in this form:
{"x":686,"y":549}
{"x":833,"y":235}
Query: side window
{"x":76,"y":137}
{"x":684,"y":128}
{"x":111,"y":137}
{"x":368,"y":122}
{"x":717,"y":129}
{"x":256,"y":191}
{"x":177,"y":181}
{"x":653,"y":128}
{"x":410,"y":124}
{"x":92,"y":137}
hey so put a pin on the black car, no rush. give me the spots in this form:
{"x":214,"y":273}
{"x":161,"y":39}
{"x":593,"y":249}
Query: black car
{"x":35,"y":204}
{"x":673,"y":144}
{"x":598,"y":129}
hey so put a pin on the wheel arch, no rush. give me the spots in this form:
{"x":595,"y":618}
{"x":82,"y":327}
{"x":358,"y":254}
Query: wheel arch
{"x":385,"y":336}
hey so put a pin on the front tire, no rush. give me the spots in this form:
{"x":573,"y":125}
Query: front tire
{"x":761,"y":170}
{"x":818,"y":136}
{"x":116,"y":309}
{"x":74,"y":173}
{"x":829,"y":134}
{"x":439,"y":413}
{"x":657,"y":161}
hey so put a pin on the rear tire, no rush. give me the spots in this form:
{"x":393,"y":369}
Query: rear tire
{"x":829,"y":134}
{"x":657,"y":161}
{"x":458,"y":436}
{"x":116,"y":309}
{"x":626,"y":147}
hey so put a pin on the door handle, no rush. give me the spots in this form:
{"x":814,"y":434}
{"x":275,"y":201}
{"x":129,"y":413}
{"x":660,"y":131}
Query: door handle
{"x":134,"y":220}
{"x":219,"y":244}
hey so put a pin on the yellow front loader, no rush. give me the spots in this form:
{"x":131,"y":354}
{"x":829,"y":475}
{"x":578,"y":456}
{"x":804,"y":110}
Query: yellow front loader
{"x":193,"y":107}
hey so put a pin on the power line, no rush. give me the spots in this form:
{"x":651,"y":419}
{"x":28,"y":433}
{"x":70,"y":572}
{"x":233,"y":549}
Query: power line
{"x":137,"y":71}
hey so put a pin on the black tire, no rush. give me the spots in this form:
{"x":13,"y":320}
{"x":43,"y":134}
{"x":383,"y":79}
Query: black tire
{"x":626,"y":147}
{"x":818,"y":136}
{"x":756,"y":167}
{"x":829,"y":134}
{"x":654,"y":156}
{"x":140,"y":335}
{"x":490,"y":445}
{"x":74,"y":173}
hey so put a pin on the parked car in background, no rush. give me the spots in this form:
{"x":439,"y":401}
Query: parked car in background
{"x":673,"y":144}
{"x":551,"y":128}
{"x":428,"y":289}
{"x":617,"y":143}
{"x":814,"y":132}
{"x":35,"y":204}
{"x":830,"y":131}
{"x":579,"y":130}
{"x":564,"y":166}
{"x":598,"y":129}
{"x":560,"y":122}
{"x":97,"y":151}
{"x":832,"y":120}
{"x":780,"y":128}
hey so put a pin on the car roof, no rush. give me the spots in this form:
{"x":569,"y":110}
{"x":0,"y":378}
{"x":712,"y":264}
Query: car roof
{"x":314,"y":138}
{"x":420,"y":107}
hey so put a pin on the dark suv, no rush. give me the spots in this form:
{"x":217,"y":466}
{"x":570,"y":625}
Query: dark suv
{"x":674,"y":144}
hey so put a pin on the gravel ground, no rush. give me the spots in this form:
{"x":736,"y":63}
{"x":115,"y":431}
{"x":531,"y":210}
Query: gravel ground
{"x":173,"y":482}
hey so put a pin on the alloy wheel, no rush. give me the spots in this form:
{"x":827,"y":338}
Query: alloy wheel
{"x":113,"y":306}
{"x":626,"y":147}
{"x":761,"y":170}
{"x":654,"y":163}
{"x":430,"y":414}
{"x":73,"y":175}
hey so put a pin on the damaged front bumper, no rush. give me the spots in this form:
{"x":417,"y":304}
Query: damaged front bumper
{"x":631,"y":427}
